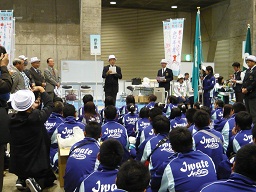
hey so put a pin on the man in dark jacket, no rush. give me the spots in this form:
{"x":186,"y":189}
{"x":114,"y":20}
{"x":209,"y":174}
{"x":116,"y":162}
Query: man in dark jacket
{"x":164,"y":76}
{"x":111,"y":73}
{"x":5,"y":88}
{"x":249,"y":87}
{"x":30,"y":144}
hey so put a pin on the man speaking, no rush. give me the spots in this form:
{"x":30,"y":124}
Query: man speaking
{"x":164,"y":76}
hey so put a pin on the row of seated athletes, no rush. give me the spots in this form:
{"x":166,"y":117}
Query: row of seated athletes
{"x":91,"y":167}
{"x":115,"y":130}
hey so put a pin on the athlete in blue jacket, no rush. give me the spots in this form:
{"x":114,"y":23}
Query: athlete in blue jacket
{"x":130,"y":119}
{"x":176,"y":119}
{"x":152,"y":101}
{"x":110,"y":157}
{"x":115,"y":130}
{"x":65,"y":129}
{"x":208,"y":140}
{"x":51,"y":124}
{"x":186,"y":170}
{"x":243,"y":178}
{"x":208,"y":85}
{"x":147,"y":132}
{"x":132,"y":176}
{"x":158,"y":148}
{"x":143,"y":121}
{"x":230,"y":124}
{"x":243,"y":132}
{"x":82,"y":160}
{"x":217,"y":113}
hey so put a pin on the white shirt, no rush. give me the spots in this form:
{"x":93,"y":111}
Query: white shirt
{"x":179,"y":89}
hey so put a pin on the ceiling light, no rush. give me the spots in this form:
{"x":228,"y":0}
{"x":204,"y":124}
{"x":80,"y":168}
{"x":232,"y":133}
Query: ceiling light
{"x":112,"y":3}
{"x":174,"y":7}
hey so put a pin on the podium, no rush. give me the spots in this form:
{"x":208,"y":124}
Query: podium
{"x":159,"y":92}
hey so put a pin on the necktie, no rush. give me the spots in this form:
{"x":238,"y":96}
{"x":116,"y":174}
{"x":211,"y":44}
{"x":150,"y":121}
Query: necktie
{"x":53,"y":72}
{"x":163,"y":72}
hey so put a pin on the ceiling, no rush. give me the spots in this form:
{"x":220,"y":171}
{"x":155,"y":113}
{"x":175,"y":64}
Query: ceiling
{"x":163,"y":5}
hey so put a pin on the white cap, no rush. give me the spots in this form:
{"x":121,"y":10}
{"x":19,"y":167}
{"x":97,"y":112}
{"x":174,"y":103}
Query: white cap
{"x":216,"y":75}
{"x":23,"y":100}
{"x":23,"y":57}
{"x":251,"y":58}
{"x":163,"y":61}
{"x":111,"y":57}
{"x":203,"y":67}
{"x":180,"y":76}
{"x":34,"y":59}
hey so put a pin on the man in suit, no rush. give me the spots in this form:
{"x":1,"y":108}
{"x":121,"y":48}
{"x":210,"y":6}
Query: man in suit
{"x":51,"y":78}
{"x":249,"y":87}
{"x":167,"y":74}
{"x":17,"y":78}
{"x":111,"y":77}
{"x":36,"y":74}
{"x":237,"y":81}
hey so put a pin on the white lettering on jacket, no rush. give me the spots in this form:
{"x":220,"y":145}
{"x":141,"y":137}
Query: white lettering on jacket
{"x":81,"y":153}
{"x":131,"y":120}
{"x":143,"y":125}
{"x":103,"y":187}
{"x":198,"y":169}
{"x":48,"y":125}
{"x":212,"y":143}
{"x":114,"y":133}
{"x":248,"y":138}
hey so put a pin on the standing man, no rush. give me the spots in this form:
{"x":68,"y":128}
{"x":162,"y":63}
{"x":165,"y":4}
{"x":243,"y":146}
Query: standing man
{"x":26,"y":77}
{"x":111,"y":73}
{"x":249,"y":87}
{"x":51,"y":78}
{"x":17,"y":78}
{"x":237,"y":81}
{"x":36,"y":73}
{"x":164,"y":76}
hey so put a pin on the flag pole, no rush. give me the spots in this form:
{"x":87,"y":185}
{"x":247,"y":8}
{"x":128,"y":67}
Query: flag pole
{"x":202,"y":90}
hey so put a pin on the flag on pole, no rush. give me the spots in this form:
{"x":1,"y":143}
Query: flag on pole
{"x":248,"y":47}
{"x":197,"y":56}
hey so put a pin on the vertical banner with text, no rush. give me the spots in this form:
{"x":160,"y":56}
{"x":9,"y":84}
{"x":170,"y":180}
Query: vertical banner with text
{"x":173,"y":36}
{"x":7,"y":32}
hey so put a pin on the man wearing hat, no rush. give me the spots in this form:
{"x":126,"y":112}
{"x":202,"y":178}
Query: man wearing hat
{"x":164,"y":76}
{"x":249,"y":87}
{"x":111,"y":73}
{"x":36,"y":73}
{"x":26,"y":73}
{"x":30,"y":144}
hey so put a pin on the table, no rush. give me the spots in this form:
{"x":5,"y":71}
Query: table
{"x":224,"y":96}
{"x":62,"y":161}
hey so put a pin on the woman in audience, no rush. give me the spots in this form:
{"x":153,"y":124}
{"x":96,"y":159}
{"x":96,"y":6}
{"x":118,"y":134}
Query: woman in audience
{"x":130,"y":119}
{"x":123,"y":110}
{"x":90,"y":113}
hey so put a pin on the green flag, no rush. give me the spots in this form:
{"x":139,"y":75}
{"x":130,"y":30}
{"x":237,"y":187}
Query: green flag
{"x":197,"y":57}
{"x":248,"y":47}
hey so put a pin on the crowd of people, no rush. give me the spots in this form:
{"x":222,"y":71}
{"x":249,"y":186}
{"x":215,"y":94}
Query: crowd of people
{"x":175,"y":146}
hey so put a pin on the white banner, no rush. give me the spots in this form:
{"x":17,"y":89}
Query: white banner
{"x":173,"y":36}
{"x":7,"y":32}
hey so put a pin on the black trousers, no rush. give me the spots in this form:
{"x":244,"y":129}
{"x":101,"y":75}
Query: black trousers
{"x":250,"y":107}
{"x":2,"y":154}
{"x":111,"y":91}
{"x":239,"y":97}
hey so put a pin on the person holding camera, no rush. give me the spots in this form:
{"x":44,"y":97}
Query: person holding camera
{"x":5,"y":88}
